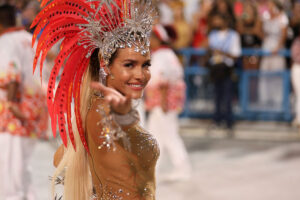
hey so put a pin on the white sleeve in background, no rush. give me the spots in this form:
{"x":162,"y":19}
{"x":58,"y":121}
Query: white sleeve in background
{"x":165,"y":66}
{"x":236,"y":49}
{"x":175,"y":69}
{"x":284,"y":21}
{"x":157,"y":65}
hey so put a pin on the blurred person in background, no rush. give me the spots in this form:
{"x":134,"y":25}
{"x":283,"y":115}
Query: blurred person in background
{"x":181,"y":26}
{"x":275,"y":31}
{"x":23,"y":113}
{"x":295,"y":17}
{"x":29,"y":13}
{"x":200,"y":27}
{"x":225,"y":47}
{"x":295,"y":73}
{"x":200,"y":24}
{"x":165,"y":11}
{"x":249,"y":27}
{"x":225,"y":8}
{"x":19,"y":5}
{"x":165,"y":96}
{"x":262,"y":8}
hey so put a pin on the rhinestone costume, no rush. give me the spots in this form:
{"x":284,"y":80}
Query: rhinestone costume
{"x":121,"y":174}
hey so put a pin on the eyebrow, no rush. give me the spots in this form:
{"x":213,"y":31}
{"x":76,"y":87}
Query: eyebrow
{"x":131,"y":60}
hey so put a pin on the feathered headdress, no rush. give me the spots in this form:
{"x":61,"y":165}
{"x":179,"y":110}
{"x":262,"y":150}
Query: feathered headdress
{"x":83,"y":26}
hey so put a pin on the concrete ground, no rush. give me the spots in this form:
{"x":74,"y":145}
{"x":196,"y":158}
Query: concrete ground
{"x":262,"y":162}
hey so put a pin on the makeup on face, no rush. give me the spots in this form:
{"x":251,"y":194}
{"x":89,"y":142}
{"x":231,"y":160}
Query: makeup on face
{"x":131,"y":73}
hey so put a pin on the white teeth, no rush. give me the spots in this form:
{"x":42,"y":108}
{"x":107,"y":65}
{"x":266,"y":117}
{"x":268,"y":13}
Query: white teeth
{"x":137,"y":86}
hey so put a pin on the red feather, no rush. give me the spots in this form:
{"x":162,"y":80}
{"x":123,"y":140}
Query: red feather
{"x":76,"y":93}
{"x":64,"y":53}
{"x":57,"y":10}
{"x":60,"y":20}
{"x":69,"y":116}
{"x":65,"y":96}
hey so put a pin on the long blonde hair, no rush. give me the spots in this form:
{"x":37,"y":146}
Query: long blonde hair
{"x":74,"y":165}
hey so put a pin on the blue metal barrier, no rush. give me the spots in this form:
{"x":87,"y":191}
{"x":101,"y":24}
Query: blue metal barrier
{"x":243,"y":109}
{"x":248,"y":112}
{"x":191,"y":72}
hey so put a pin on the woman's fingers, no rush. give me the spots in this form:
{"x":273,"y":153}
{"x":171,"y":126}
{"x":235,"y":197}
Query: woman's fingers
{"x":115,"y":100}
{"x":99,"y":87}
{"x":105,"y":90}
{"x":120,"y":104}
{"x":111,"y":99}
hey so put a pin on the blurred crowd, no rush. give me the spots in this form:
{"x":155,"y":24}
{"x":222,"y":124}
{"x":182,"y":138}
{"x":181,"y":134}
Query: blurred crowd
{"x":268,"y":24}
{"x":226,"y":28}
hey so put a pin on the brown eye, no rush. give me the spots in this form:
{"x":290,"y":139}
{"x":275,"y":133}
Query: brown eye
{"x":148,"y":64}
{"x":128,"y":65}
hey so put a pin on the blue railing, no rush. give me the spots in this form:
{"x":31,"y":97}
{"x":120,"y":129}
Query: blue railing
{"x":199,"y":101}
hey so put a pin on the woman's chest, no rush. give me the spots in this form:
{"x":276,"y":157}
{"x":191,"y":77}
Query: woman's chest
{"x":143,"y":146}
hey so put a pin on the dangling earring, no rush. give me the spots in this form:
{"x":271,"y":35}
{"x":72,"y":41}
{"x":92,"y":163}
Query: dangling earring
{"x":102,"y":73}
{"x":112,"y":77}
{"x":102,"y":76}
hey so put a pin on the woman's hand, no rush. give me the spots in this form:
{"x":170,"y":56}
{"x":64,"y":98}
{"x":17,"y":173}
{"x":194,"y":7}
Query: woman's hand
{"x":118,"y":103}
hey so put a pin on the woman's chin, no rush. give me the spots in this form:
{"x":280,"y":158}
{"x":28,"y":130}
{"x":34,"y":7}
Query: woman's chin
{"x":135,"y":94}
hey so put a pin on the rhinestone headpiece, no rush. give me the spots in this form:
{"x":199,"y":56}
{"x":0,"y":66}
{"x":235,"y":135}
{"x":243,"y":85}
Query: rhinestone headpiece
{"x":128,"y":24}
{"x":83,"y":26}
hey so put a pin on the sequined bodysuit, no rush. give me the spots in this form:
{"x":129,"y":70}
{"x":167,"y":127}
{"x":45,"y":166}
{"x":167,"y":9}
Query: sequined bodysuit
{"x":121,"y":174}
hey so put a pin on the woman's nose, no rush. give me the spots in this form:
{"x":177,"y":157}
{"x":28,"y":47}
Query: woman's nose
{"x":138,"y":73}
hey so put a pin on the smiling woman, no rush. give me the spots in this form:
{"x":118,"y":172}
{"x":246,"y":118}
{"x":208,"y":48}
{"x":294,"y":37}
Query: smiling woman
{"x":129,"y":72}
{"x":124,"y":168}
{"x":105,"y":59}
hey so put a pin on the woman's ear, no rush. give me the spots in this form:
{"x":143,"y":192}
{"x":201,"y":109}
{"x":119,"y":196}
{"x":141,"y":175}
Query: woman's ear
{"x":103,"y":64}
{"x":105,"y":67}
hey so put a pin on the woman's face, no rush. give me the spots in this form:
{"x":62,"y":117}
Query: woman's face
{"x":178,"y":13}
{"x":129,"y":73}
{"x":296,"y":9}
{"x":249,"y":13}
{"x":218,"y":23}
{"x":272,"y":8}
{"x":206,"y":6}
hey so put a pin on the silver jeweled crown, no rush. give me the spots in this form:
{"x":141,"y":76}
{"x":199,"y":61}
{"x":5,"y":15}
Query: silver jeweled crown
{"x":128,"y":23}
